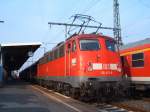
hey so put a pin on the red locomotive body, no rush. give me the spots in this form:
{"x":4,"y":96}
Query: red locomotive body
{"x":86,"y":59}
{"x":136,"y":58}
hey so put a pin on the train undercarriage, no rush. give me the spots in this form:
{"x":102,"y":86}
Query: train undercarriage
{"x":90,"y":90}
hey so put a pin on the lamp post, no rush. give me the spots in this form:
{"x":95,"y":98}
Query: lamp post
{"x":1,"y":21}
{"x":1,"y":63}
{"x":1,"y":48}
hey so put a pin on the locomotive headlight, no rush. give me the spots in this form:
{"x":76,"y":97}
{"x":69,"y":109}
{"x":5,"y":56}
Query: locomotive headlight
{"x":89,"y":68}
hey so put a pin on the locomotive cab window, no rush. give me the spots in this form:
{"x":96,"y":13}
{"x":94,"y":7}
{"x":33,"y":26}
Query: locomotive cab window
{"x":89,"y":44}
{"x":111,"y":45}
{"x":138,"y":60}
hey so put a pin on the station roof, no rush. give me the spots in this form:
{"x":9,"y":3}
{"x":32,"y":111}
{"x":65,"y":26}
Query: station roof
{"x":16,"y":54}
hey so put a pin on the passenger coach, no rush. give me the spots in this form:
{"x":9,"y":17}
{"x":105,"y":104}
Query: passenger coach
{"x":136,"y":63}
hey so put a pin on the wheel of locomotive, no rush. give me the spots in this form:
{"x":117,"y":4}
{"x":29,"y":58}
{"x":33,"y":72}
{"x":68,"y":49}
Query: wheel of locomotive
{"x":75,"y":93}
{"x":41,"y":82}
{"x":118,"y":91}
{"x":99,"y":95}
{"x":147,"y":93}
{"x":51,"y":84}
{"x":112,"y":93}
{"x":47,"y":83}
{"x":55,"y":84}
{"x":102,"y":93}
{"x":44,"y":83}
{"x":38,"y":81}
{"x":132,"y":91}
{"x":83,"y":92}
{"x":67,"y":89}
{"x":58,"y":87}
{"x":107,"y":94}
{"x":87,"y":92}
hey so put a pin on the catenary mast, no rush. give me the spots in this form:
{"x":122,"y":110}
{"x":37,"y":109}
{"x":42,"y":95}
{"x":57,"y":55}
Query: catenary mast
{"x":117,"y":26}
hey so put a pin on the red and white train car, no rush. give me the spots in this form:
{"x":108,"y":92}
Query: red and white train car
{"x":136,"y":63}
{"x":82,"y":60}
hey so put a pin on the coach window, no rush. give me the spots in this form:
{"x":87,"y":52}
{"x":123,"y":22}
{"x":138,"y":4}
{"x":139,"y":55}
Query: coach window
{"x":50,"y":56}
{"x":55,"y":54}
{"x":61,"y":50}
{"x":138,"y":60}
{"x":46,"y":58}
{"x":73,"y":46}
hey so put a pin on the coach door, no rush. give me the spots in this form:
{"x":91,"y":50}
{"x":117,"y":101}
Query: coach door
{"x":68,"y":56}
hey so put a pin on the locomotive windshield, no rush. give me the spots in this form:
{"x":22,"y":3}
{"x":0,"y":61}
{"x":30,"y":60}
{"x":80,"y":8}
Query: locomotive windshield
{"x":89,"y":44}
{"x":111,"y":45}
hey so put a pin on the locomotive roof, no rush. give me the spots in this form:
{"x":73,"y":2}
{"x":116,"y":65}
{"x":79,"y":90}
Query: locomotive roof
{"x":135,"y":44}
{"x":79,"y":36}
{"x":88,"y":35}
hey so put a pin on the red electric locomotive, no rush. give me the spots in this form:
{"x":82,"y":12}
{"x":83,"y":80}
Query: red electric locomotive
{"x":136,"y":63}
{"x":82,"y":64}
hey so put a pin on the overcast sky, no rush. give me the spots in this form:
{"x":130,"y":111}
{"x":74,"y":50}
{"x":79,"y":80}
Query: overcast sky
{"x":26,"y":20}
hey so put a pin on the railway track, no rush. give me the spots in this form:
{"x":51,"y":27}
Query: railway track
{"x":111,"y":108}
{"x":101,"y":107}
{"x":140,"y":105}
{"x":129,"y":105}
{"x":146,"y":99}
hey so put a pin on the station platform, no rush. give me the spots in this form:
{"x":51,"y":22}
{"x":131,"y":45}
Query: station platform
{"x":18,"y":96}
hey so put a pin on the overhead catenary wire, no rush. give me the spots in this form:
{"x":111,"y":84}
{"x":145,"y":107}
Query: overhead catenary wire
{"x":64,"y":24}
{"x":63,"y":30}
{"x":144,"y":4}
{"x":90,"y":6}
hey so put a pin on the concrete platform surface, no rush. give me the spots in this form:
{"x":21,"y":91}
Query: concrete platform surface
{"x":18,"y":96}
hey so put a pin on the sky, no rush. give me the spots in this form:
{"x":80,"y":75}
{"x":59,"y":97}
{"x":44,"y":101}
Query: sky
{"x":27,"y":20}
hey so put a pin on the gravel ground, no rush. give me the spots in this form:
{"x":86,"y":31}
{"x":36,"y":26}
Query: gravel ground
{"x":135,"y":105}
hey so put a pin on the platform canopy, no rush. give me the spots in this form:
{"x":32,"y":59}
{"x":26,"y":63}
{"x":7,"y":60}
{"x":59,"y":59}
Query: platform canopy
{"x":16,"y":54}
